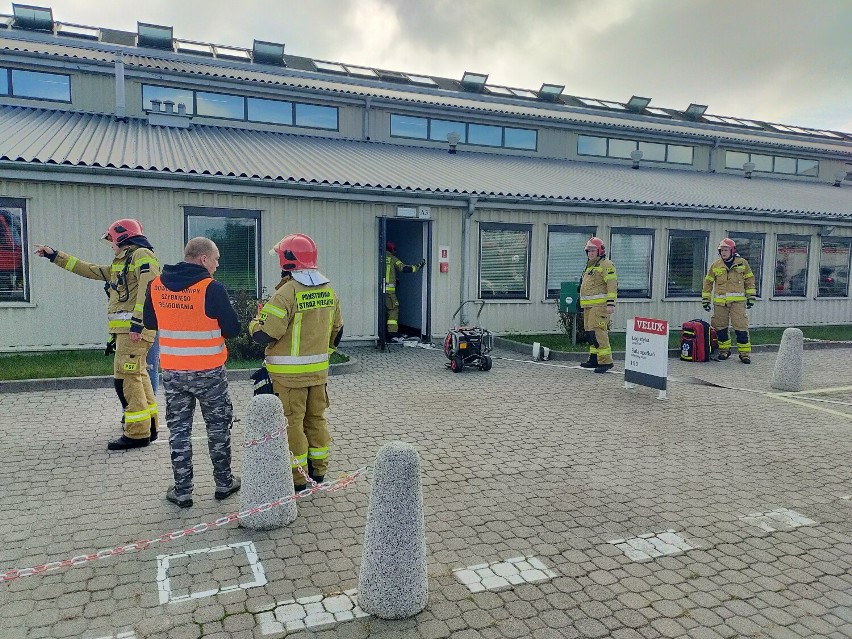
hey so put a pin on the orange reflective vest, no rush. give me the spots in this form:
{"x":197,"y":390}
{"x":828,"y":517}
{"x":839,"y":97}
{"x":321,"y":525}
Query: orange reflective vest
{"x":189,"y":339}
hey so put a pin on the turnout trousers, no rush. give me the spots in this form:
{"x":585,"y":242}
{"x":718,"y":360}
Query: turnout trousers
{"x":596,"y":323}
{"x":733,"y":313}
{"x":307,"y":428}
{"x":392,"y":310}
{"x":134,"y":385}
{"x":210,"y":389}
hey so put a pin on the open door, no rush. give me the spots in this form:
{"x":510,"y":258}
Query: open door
{"x":413,"y":239}
{"x":380,"y":284}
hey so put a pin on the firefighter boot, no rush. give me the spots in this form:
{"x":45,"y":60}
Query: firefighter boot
{"x":126,"y":443}
{"x":317,"y":478}
{"x":723,"y":355}
{"x":744,"y":358}
{"x":592,"y":363}
{"x":603,"y":368}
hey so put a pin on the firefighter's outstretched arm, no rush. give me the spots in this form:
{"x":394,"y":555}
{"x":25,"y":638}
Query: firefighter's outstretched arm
{"x":271,"y":321}
{"x":73,"y":264}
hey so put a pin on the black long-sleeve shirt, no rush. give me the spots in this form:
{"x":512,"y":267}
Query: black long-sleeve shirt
{"x":177,"y":277}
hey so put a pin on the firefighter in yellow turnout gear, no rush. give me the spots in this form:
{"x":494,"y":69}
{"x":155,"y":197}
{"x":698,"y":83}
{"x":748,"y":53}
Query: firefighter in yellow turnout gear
{"x":126,"y":282}
{"x":394,"y":265}
{"x":731,"y":283}
{"x":598,"y":293}
{"x":301,"y":325}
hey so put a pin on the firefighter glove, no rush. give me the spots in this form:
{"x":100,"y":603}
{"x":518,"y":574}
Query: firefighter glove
{"x":706,"y":306}
{"x":110,"y":346}
{"x":749,"y":303}
{"x":422,"y":264}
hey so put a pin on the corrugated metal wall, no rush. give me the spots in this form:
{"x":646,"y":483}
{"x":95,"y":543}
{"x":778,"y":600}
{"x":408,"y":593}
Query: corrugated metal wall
{"x":68,"y":311}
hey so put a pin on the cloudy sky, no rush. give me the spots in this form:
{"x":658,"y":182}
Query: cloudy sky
{"x":787,"y":61}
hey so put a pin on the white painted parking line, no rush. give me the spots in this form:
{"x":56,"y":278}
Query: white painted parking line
{"x":652,"y":545}
{"x":164,"y":584}
{"x":316,"y":612}
{"x":778,"y":519}
{"x":125,"y":634}
{"x":502,"y":575}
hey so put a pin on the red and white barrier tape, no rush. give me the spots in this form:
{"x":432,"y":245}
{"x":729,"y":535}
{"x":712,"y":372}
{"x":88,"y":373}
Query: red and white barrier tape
{"x":143,"y":544}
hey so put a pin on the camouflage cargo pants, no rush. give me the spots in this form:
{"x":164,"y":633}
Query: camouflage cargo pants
{"x":210,"y":389}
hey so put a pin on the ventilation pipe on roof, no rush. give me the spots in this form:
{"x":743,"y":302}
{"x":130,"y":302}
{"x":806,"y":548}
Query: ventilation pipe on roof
{"x":748,"y":169}
{"x":465,"y":258}
{"x":839,"y":177}
{"x":636,"y":156}
{"x":120,"y":104}
{"x":365,"y":129}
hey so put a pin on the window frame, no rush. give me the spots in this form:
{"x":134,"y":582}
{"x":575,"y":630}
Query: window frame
{"x":795,"y":169}
{"x":789,"y":237}
{"x":637,"y":144}
{"x":501,"y":226}
{"x":839,"y":240}
{"x":294,"y":104}
{"x":565,"y":229}
{"x":686,"y":233}
{"x":629,"y":230}
{"x":464,"y":133}
{"x":20,"y":203}
{"x":10,"y":85}
{"x":254,"y":214}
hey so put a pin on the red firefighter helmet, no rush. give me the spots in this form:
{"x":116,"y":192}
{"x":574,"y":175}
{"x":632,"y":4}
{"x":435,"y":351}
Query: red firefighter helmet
{"x":727,"y":243}
{"x":296,"y":252}
{"x":597,"y":244}
{"x":391,"y":247}
{"x":122,"y":230}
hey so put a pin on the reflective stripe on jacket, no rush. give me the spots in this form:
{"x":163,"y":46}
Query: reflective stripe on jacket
{"x":735,"y":284}
{"x":189,"y":339}
{"x":303,"y":321}
{"x":126,"y":278}
{"x":393,"y":265}
{"x":599,"y":284}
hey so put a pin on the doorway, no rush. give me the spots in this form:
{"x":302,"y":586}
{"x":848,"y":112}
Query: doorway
{"x":412,"y":239}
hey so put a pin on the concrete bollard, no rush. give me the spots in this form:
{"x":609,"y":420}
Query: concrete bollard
{"x":393,"y":583}
{"x":787,"y":375}
{"x":266,"y":466}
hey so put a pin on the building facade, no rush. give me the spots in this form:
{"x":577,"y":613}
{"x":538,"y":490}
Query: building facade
{"x":498,"y":188}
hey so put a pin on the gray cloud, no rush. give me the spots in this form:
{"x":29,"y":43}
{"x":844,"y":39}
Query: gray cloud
{"x":779,"y":60}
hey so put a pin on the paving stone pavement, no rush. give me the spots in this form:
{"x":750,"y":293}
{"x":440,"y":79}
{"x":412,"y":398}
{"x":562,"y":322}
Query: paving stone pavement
{"x":528,"y":460}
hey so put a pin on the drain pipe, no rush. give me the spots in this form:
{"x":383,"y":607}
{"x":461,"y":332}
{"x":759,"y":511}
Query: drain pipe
{"x":120,"y":102}
{"x":365,"y":127}
{"x":465,"y":257}
{"x":713,"y":151}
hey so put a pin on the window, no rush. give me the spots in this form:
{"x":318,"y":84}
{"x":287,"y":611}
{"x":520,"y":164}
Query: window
{"x":520,"y":138}
{"x":791,"y":266}
{"x":504,"y":259}
{"x":406,"y":126}
{"x":4,"y":81}
{"x":834,"y":267}
{"x":220,"y":105}
{"x":41,"y":86}
{"x":236,"y":233}
{"x":14,"y":265}
{"x":417,"y":128}
{"x":750,"y":247}
{"x":238,"y":107}
{"x":439,"y":129}
{"x":632,"y":250}
{"x":178,"y":96}
{"x":565,"y":255}
{"x":485,"y":135}
{"x":687,"y":263}
{"x":273,"y":111}
{"x":316,"y":116}
{"x":772,"y":163}
{"x":590,"y":145}
{"x":618,"y":148}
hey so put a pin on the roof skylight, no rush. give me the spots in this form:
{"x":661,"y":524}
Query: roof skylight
{"x":498,"y":90}
{"x":77,"y":31}
{"x":185,"y":46}
{"x":656,"y":111}
{"x":422,"y":79}
{"x":332,"y":67}
{"x":154,"y":35}
{"x":603,"y":103}
{"x":524,"y":93}
{"x":29,"y":17}
{"x":362,"y":71}
{"x":232,"y":53}
{"x":268,"y":52}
